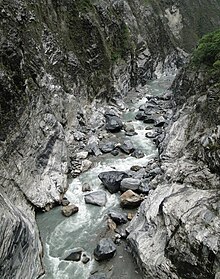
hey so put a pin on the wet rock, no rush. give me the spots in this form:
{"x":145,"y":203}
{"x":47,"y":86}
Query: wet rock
{"x":82,"y":155}
{"x":65,"y":201}
{"x":105,"y":249}
{"x":127,"y":147}
{"x":141,"y":115}
{"x":98,"y":198}
{"x":130,"y":184}
{"x":138,"y":154}
{"x":149,"y":120}
{"x":115,"y":152}
{"x":85,"y":259}
{"x":130,"y":199}
{"x":113,"y":124}
{"x":128,"y":127}
{"x":111,"y":224}
{"x":98,"y":276}
{"x":135,"y":168}
{"x":112,"y":180}
{"x":74,"y":256}
{"x":122,"y":231}
{"x":151,"y":134}
{"x":160,"y":121}
{"x":86,"y":165}
{"x":93,"y":146}
{"x":130,"y":215}
{"x":108,"y":147}
{"x":118,"y":217}
{"x":86,"y":187}
{"x":155,"y":171}
{"x":117,"y":239}
{"x":69,"y":210}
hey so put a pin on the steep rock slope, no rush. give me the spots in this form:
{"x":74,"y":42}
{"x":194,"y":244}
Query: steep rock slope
{"x":177,"y":231}
{"x":58,"y":58}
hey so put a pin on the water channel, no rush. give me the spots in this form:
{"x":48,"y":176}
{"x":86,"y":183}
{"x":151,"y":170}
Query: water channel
{"x":61,"y":234}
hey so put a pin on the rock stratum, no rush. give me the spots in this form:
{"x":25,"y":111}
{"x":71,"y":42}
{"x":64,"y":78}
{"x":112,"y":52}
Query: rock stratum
{"x":176,"y":233}
{"x":59,"y":61}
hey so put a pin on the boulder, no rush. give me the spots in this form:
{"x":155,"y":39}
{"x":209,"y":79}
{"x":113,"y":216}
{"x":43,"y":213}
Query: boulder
{"x":138,"y":154}
{"x":115,"y":152}
{"x":112,"y":180}
{"x":127,"y":147}
{"x":160,"y":121}
{"x":118,"y":217}
{"x":151,"y":134}
{"x":128,"y":127}
{"x":75,"y":255}
{"x":96,"y":198}
{"x":130,"y":184}
{"x":93,"y":146}
{"x":136,"y":168}
{"x":129,"y":199}
{"x":108,"y":147}
{"x":86,"y":165}
{"x":69,"y":210}
{"x":105,"y":249}
{"x":85,"y":259}
{"x":65,"y":201}
{"x":113,"y":124}
{"x":86,"y":187}
{"x":98,"y":276}
{"x":82,"y":155}
{"x":140,"y":115}
{"x":149,"y":120}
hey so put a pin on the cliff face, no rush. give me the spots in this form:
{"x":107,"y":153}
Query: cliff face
{"x":57,"y":59}
{"x":176,"y":233}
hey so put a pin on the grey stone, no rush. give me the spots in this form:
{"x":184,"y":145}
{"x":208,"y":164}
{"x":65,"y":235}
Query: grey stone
{"x":130,"y":184}
{"x":112,"y":180}
{"x":74,"y":256}
{"x":105,"y":249}
{"x":127,"y":147}
{"x":98,"y":198}
{"x":69,"y":210}
{"x":113,"y":124}
{"x":118,"y":217}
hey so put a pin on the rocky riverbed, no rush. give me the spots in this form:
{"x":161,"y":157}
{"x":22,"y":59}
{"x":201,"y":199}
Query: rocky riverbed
{"x":124,"y":162}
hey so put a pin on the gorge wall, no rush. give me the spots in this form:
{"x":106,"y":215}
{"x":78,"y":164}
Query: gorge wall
{"x":59,"y":59}
{"x":176,"y":231}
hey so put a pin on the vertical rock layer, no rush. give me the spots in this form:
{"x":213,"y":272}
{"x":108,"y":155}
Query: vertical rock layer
{"x":176,"y":233}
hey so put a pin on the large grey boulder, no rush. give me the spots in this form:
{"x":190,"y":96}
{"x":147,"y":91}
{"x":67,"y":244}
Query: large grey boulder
{"x":98,"y":198}
{"x":127,"y":147}
{"x":112,"y":180}
{"x":108,"y":147}
{"x":130,"y":184}
{"x":105,"y":249}
{"x":113,"y":124}
{"x":118,"y":217}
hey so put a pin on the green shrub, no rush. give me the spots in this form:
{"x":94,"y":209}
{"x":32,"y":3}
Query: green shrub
{"x":208,"y":49}
{"x":216,"y":65}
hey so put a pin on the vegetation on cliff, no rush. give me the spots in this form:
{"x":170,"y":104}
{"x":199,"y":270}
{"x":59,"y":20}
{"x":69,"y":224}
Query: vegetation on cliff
{"x":208,"y":50}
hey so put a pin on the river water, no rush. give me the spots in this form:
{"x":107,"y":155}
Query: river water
{"x":61,"y":235}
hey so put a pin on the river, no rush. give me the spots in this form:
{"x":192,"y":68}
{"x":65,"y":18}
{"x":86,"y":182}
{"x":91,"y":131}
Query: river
{"x":84,"y":229}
